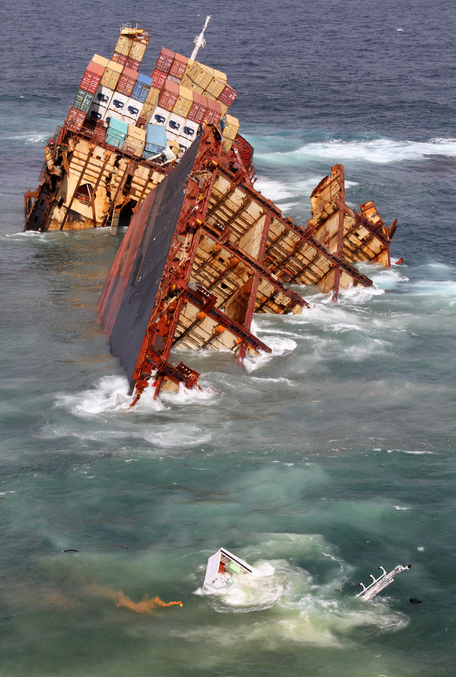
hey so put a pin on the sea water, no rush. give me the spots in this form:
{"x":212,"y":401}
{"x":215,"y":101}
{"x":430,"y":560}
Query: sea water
{"x":316,"y":463}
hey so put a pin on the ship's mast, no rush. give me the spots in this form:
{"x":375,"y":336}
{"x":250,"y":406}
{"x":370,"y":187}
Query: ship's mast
{"x":200,"y":40}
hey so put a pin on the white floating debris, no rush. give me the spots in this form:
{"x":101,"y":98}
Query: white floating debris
{"x":223,"y":569}
{"x":381,"y":582}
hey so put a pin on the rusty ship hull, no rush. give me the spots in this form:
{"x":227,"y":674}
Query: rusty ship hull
{"x":204,"y":249}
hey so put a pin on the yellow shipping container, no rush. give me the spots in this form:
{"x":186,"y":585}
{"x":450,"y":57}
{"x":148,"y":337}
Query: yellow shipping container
{"x":231,"y":127}
{"x":153,"y":95}
{"x":199,"y":74}
{"x":124,"y":45}
{"x":100,"y":60}
{"x":189,"y":84}
{"x":224,"y":108}
{"x":137,"y":51}
{"x":215,"y":88}
{"x":110,"y":78}
{"x":219,"y":75}
{"x":227,"y":145}
{"x":136,"y":133}
{"x":133,"y":145}
{"x":182,"y":106}
{"x":146,"y":111}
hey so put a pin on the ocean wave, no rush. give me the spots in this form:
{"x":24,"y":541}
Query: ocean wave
{"x":376,"y":151}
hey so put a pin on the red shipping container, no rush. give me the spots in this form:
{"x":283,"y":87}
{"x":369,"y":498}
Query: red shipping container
{"x":91,"y":78}
{"x":119,"y":58}
{"x":169,"y":95}
{"x":198,"y":111}
{"x":75,"y":118}
{"x":158,"y":79}
{"x":179,"y":66}
{"x":214,"y":111}
{"x":132,"y":64}
{"x":165,"y":60}
{"x":127,"y":81}
{"x":227,"y":96}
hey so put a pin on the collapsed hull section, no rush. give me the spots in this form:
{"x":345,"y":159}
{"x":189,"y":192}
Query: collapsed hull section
{"x":206,"y":250}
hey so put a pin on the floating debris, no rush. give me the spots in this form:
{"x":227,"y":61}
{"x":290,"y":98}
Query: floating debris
{"x":380,"y":583}
{"x":224,"y":569}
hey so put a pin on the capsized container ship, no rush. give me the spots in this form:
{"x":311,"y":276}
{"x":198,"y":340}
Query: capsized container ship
{"x":124,"y":133}
{"x":204,"y":249}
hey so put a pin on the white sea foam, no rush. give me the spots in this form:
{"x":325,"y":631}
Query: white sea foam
{"x":279,"y":346}
{"x":377,"y":151}
{"x":110,"y":395}
{"x":301,"y":608}
{"x":203,"y":395}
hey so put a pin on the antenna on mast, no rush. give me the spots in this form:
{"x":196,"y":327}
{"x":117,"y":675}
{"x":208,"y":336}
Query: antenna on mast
{"x":200,"y":40}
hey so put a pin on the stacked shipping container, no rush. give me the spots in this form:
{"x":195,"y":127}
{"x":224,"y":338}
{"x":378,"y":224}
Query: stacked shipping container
{"x":180,"y":95}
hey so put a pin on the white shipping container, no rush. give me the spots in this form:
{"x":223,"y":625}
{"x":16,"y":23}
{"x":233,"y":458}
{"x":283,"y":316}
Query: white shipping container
{"x":190,"y":130}
{"x":103,"y":96}
{"x":160,"y":116}
{"x":96,"y":112}
{"x":113,"y":113}
{"x":119,"y":103}
{"x":184,"y":142}
{"x":133,"y":109}
{"x":175,"y":123}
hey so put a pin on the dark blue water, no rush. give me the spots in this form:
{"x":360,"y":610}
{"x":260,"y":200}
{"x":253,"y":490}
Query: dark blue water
{"x":318,"y":463}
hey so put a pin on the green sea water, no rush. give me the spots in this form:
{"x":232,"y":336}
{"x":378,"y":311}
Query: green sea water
{"x":316,"y":464}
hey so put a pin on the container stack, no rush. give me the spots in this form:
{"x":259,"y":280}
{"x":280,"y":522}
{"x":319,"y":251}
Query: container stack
{"x":180,"y":95}
{"x":87,"y":90}
{"x":190,"y":94}
{"x":156,"y":141}
{"x":131,"y":46}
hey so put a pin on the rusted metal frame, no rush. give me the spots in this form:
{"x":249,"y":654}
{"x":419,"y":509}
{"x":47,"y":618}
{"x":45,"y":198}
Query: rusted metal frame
{"x":189,"y":328}
{"x":149,"y":176}
{"x":238,"y":211}
{"x":308,"y":238}
{"x":214,"y":313}
{"x":28,"y":204}
{"x":340,"y":236}
{"x":337,"y":260}
{"x":97,"y":183}
{"x":210,"y":339}
{"x":376,"y":230}
{"x":181,"y":275}
{"x":89,"y":156}
{"x":259,"y":268}
{"x":255,"y":284}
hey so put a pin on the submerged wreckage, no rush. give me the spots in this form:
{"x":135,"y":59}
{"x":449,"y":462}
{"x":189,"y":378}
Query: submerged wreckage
{"x":204,"y":249}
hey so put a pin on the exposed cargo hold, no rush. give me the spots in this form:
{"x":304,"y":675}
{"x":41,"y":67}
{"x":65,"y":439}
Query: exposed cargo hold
{"x":206,"y":250}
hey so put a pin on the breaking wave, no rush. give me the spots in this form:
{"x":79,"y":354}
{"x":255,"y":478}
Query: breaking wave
{"x":377,"y":151}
